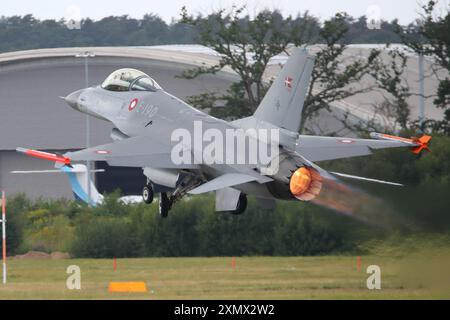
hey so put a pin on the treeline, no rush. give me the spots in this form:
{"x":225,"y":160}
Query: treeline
{"x":27,"y":32}
{"x":193,"y":229}
{"x":293,"y":228}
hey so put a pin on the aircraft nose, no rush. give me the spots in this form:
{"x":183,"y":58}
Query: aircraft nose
{"x":72,"y":99}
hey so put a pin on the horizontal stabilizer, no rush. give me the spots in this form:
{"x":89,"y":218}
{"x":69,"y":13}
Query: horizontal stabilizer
{"x":417,"y":144}
{"x":317,"y":148}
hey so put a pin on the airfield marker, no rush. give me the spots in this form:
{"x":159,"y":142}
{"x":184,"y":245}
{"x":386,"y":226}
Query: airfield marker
{"x":127,"y":287}
{"x":4,"y":235}
{"x":358,"y":263}
{"x":115,"y":264}
{"x":233,"y":263}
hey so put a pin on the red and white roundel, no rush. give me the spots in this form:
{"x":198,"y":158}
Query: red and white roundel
{"x":133,"y":104}
{"x":346,"y":140}
{"x":103,"y":152}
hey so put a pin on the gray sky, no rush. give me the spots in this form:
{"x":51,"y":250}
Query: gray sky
{"x":404,"y":10}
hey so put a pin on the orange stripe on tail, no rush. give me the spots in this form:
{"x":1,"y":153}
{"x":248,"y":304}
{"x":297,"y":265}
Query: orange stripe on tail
{"x":422,"y":144}
{"x":419,"y":143}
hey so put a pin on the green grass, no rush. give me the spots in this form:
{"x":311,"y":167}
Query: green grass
{"x":328,"y":277}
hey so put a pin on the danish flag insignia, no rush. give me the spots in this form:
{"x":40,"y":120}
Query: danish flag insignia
{"x":288,"y":82}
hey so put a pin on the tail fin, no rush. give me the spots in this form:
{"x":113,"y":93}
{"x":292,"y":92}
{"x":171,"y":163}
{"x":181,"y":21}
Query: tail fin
{"x":78,"y":178}
{"x":77,"y":173}
{"x":283,"y":103}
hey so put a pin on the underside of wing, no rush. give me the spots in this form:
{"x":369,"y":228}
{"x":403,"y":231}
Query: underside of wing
{"x":223,"y":181}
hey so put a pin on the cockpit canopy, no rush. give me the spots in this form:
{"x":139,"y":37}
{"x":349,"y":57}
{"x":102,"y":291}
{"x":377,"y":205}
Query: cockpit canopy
{"x":130,"y":80}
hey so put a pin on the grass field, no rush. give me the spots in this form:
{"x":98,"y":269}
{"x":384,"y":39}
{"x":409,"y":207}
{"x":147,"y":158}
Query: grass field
{"x":330,"y":277}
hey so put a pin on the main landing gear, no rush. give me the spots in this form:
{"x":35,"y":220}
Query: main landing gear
{"x":167,"y":199}
{"x":164,"y":201}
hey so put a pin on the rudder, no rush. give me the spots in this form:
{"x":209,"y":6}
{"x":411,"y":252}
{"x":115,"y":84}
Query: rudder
{"x":283,"y":103}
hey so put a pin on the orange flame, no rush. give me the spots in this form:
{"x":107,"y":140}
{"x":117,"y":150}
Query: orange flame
{"x":305,"y":183}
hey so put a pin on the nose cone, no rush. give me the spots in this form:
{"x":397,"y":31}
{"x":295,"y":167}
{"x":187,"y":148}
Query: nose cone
{"x":72,"y":99}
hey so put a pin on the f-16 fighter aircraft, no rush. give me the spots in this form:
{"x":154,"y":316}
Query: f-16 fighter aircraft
{"x":183,"y":150}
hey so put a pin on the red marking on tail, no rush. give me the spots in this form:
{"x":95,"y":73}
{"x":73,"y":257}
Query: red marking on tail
{"x":423,"y":144}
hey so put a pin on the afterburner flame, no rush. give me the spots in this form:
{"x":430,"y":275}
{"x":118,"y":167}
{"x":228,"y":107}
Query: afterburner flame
{"x":305,"y":183}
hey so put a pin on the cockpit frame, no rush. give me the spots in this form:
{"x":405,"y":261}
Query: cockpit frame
{"x":126,"y":79}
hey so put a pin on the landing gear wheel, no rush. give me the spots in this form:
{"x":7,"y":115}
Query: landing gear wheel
{"x":241,"y":206}
{"x":164,"y":205}
{"x":147,"y":194}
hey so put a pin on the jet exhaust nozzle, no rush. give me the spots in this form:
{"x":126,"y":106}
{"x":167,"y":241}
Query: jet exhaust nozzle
{"x":305,"y":183}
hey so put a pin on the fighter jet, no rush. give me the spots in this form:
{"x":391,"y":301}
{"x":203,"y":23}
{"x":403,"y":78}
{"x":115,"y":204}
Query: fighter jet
{"x":149,"y":124}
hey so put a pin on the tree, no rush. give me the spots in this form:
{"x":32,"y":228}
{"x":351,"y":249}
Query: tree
{"x":28,"y":32}
{"x":246,"y":46}
{"x":433,"y":41}
{"x":331,"y":79}
{"x":393,"y":112}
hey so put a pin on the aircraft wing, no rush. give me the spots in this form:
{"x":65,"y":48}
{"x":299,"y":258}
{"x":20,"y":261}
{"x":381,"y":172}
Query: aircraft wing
{"x":139,"y":151}
{"x":316,"y":148}
{"x":224,"y":181}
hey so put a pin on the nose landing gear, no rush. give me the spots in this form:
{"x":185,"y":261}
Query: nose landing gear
{"x":167,"y":199}
{"x":147,"y":193}
{"x":164,"y":200}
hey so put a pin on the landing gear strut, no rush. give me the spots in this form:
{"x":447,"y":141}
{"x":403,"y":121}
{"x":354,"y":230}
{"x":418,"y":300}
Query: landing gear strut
{"x":164,"y":205}
{"x":164,"y":201}
{"x":186,"y":182}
